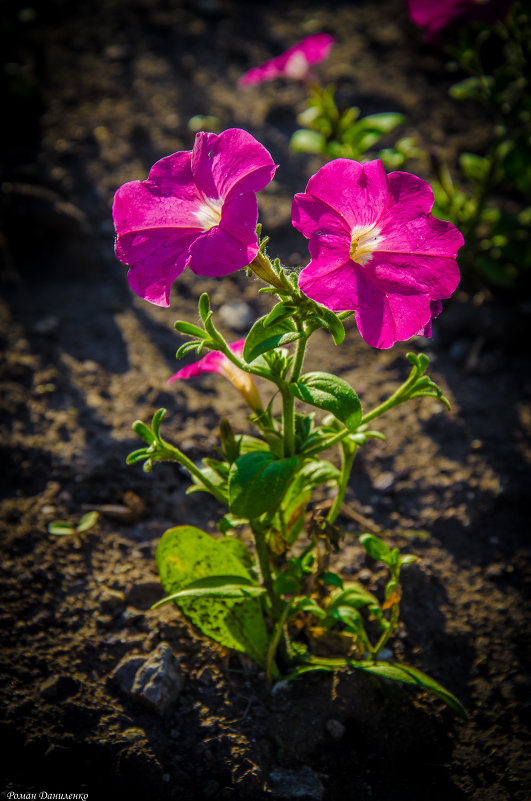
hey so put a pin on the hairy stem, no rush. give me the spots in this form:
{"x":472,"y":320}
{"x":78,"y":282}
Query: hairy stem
{"x":167,"y":452}
{"x":288,"y":400}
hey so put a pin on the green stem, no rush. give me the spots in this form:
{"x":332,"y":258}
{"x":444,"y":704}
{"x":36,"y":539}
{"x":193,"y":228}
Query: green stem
{"x":172,"y":454}
{"x":288,"y":400}
{"x":275,"y":639}
{"x":346,"y":467}
{"x":390,"y":630}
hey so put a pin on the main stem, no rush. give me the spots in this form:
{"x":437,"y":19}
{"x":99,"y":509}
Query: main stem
{"x":288,"y":400}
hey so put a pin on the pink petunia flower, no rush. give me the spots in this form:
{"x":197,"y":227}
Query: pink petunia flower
{"x":197,"y":209}
{"x":215,"y":362}
{"x":435,"y":16}
{"x":376,"y":249}
{"x":295,"y":63}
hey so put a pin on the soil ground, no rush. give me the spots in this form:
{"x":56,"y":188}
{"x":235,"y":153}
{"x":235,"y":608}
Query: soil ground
{"x":102,"y":90}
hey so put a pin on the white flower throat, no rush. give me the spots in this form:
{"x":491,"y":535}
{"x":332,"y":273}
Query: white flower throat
{"x":363,"y":243}
{"x":209,"y":212}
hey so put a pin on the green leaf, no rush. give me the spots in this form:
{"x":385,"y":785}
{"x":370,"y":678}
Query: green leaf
{"x":353,"y":594}
{"x":331,"y":322}
{"x":330,"y":393}
{"x":474,"y":168}
{"x":60,"y":528}
{"x":260,"y":338}
{"x":145,"y":433}
{"x":216,"y":587}
{"x":332,"y":578}
{"x":204,"y":307}
{"x":382,"y":123}
{"x":138,"y":456}
{"x":87,"y":522}
{"x":471,"y":88}
{"x":376,"y":548}
{"x":188,"y":347}
{"x":278,"y":313}
{"x":257,"y":483}
{"x":410,"y":675}
{"x":156,"y":421}
{"x":306,"y":141}
{"x":186,"y":554}
{"x":190,"y":329}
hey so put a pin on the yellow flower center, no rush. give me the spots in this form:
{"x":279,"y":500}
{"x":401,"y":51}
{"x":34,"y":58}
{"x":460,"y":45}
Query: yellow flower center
{"x":209,"y":212}
{"x":363,"y":243}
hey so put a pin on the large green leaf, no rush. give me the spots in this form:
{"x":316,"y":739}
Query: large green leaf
{"x":410,"y":675}
{"x":185,"y":555}
{"x":330,"y":393}
{"x":262,"y":338}
{"x":257,"y":482}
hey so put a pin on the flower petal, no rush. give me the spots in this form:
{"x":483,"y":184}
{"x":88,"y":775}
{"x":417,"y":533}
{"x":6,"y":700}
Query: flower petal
{"x":384,"y":319}
{"x":217,"y":253}
{"x":232,"y":160}
{"x":311,"y":216}
{"x":156,"y":261}
{"x":333,"y":285}
{"x":357,"y":192}
{"x":239,"y":216}
{"x":311,"y":50}
{"x":436,"y":276}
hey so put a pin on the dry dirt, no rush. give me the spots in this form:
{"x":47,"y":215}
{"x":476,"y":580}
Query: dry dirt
{"x":105,"y":89}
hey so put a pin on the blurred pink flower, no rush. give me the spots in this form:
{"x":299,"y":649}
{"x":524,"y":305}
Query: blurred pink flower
{"x":197,"y":209}
{"x":435,"y":16}
{"x":215,"y":362}
{"x":376,"y":249}
{"x":295,"y":63}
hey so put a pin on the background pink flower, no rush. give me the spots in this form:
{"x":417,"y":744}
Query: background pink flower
{"x":295,"y":63}
{"x":215,"y":362}
{"x":197,"y":209}
{"x":435,"y":16}
{"x":376,"y":249}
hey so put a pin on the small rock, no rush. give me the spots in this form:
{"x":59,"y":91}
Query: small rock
{"x":155,"y":681}
{"x":237,"y":316}
{"x":296,"y":785}
{"x":335,"y":729}
{"x":111,"y":600}
{"x":384,"y":481}
{"x":125,"y":672}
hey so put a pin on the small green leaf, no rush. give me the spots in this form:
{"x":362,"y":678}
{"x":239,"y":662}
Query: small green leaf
{"x":144,"y":432}
{"x":408,"y":559}
{"x":278,"y":313}
{"x":138,"y":456}
{"x":307,"y":141}
{"x":474,"y":168}
{"x":260,"y":339}
{"x":204,"y":307}
{"x":188,"y":347}
{"x":190,"y":329}
{"x":60,"y":528}
{"x":376,"y":548}
{"x":87,"y":522}
{"x":257,"y":483}
{"x":157,"y":420}
{"x":330,"y":393}
{"x":331,"y":322}
{"x":381,"y":123}
{"x":332,"y":578}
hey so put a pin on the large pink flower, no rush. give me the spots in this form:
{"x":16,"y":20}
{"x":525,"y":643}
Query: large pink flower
{"x":215,"y":362}
{"x":197,"y":209}
{"x":435,"y":16}
{"x":376,"y":249}
{"x":295,"y":63}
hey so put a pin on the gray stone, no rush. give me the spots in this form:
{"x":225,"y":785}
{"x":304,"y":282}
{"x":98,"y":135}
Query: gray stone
{"x":125,"y":672}
{"x":237,"y":316}
{"x":295,"y":785}
{"x":158,"y":681}
{"x":335,"y":729}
